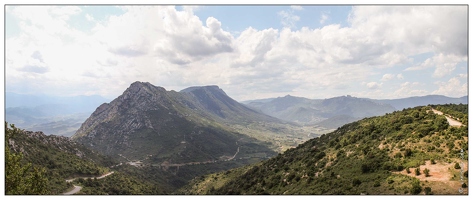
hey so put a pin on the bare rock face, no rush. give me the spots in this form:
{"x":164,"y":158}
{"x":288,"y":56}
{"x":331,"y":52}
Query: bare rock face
{"x":148,"y":120}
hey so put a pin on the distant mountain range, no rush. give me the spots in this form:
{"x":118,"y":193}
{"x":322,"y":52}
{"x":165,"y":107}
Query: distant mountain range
{"x":51,"y":114}
{"x":337,"y":111}
{"x":411,"y":102}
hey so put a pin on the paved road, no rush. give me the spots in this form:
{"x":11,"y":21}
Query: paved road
{"x":78,"y":188}
{"x":73,"y":191}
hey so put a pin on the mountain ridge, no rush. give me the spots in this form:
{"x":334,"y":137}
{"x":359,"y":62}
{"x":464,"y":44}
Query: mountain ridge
{"x":320,"y":111}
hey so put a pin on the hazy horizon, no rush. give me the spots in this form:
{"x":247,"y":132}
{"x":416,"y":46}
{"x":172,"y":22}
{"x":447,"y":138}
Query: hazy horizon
{"x":251,"y":52}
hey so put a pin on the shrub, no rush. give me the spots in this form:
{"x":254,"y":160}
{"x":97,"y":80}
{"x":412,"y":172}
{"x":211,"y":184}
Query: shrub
{"x":415,"y":187}
{"x":457,"y":166}
{"x":408,"y":170}
{"x":426,"y":172}
{"x":365,"y":168}
{"x":417,"y":171}
{"x":356,"y":182}
{"x":377,"y":184}
{"x":408,"y":153}
{"x":432,"y":161}
{"x":428,"y":191}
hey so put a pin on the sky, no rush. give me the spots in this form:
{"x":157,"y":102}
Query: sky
{"x":251,"y":52}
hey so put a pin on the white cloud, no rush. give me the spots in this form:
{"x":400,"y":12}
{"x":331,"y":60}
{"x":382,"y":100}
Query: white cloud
{"x":288,"y":18}
{"x":444,"y":64}
{"x":176,"y":49}
{"x":452,"y":88}
{"x":408,"y":89}
{"x":415,"y":29}
{"x":387,"y":77}
{"x":89,"y":17}
{"x":323,"y":18}
{"x":374,"y":85}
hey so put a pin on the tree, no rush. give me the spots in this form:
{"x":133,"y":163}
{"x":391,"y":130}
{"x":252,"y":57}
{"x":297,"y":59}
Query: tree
{"x":408,"y":170}
{"x":21,"y":179}
{"x":417,"y":171}
{"x":426,"y":172}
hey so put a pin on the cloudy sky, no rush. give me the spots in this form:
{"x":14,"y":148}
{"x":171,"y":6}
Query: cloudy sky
{"x":250,"y":52}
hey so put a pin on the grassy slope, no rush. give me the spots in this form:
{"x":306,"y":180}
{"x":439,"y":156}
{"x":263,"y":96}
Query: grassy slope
{"x":367,"y":156}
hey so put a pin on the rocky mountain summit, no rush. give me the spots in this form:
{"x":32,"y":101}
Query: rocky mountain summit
{"x":148,"y":122}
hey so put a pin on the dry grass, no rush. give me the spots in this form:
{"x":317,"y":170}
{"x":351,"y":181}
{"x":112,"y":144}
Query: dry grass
{"x":440,"y":177}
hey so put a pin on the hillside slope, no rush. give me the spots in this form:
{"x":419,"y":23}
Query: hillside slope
{"x":377,"y":155}
{"x":67,"y":163}
{"x":61,"y":157}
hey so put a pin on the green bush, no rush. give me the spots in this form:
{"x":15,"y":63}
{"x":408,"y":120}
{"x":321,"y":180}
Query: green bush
{"x":356,"y":182}
{"x":377,"y":184}
{"x":428,"y":191}
{"x":417,"y":171}
{"x":415,"y":187}
{"x":426,"y":172}
{"x":457,"y":166}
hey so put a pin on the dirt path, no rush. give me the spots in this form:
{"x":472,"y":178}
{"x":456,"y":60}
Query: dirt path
{"x":78,"y":188}
{"x":238,"y":150}
{"x":450,"y":120}
{"x":453,"y":122}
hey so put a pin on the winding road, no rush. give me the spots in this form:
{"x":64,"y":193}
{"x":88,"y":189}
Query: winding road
{"x":73,"y":191}
{"x":77,"y":188}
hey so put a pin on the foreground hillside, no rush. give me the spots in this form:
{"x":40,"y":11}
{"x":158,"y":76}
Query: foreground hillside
{"x":41,"y":164}
{"x":414,"y":151}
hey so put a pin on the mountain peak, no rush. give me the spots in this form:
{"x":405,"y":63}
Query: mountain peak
{"x":139,"y":84}
{"x":208,"y":87}
{"x":143,"y":87}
